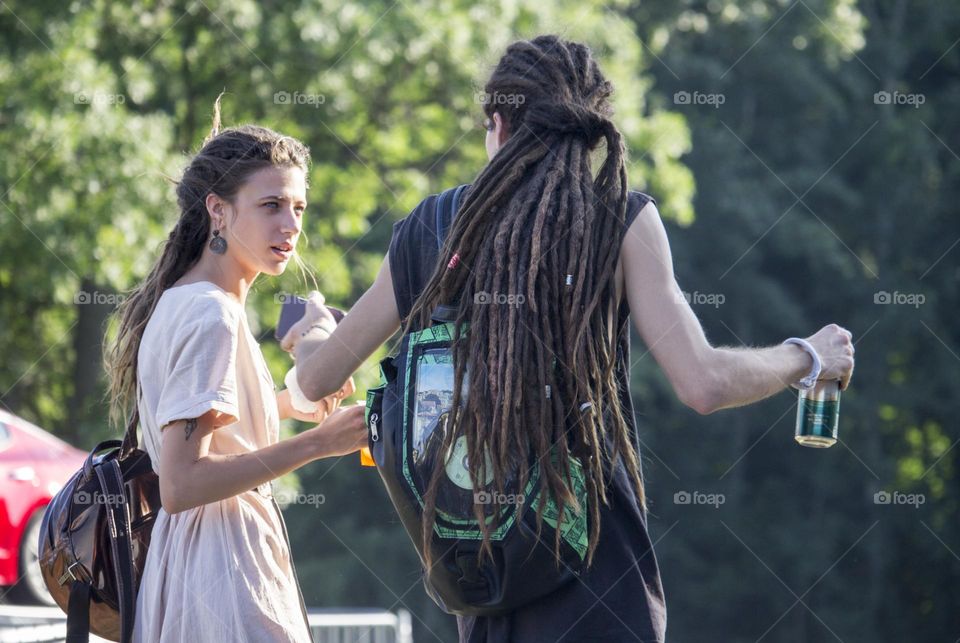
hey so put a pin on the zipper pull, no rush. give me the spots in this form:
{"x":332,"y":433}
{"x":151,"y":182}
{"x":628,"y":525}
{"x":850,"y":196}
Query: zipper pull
{"x":374,"y":432}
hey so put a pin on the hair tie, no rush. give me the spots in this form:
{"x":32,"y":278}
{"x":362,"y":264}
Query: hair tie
{"x":454,"y":261}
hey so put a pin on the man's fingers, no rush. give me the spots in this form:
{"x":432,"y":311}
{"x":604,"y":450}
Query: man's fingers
{"x":845,"y":379}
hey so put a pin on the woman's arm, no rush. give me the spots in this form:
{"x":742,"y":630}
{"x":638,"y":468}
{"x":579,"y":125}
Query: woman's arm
{"x":192,"y":476}
{"x":324,"y":362}
{"x":706,"y":378}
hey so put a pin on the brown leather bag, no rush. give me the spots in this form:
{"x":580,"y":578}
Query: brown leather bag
{"x":94,"y":539}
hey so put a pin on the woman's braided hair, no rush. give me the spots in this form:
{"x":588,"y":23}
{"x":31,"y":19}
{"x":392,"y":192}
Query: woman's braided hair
{"x":536,"y":224}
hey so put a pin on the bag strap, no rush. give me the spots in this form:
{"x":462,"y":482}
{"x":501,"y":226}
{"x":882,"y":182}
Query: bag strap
{"x":78,"y":613}
{"x":446,"y":210}
{"x":90,"y":462}
{"x":118,"y":517}
{"x":286,"y":538}
{"x":472,"y":582}
{"x":447,"y":205}
{"x":130,"y":441}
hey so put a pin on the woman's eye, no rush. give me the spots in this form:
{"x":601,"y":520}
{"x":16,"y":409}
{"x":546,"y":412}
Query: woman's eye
{"x":272,"y":204}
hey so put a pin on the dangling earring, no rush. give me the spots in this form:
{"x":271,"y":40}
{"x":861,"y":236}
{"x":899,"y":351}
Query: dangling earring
{"x":218,"y":245}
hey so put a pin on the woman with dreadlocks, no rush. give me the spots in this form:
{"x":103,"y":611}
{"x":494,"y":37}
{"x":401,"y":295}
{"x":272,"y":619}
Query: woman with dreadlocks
{"x":584,"y":252}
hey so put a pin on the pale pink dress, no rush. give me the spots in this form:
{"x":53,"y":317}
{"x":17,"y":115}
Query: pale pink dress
{"x":221,"y":572}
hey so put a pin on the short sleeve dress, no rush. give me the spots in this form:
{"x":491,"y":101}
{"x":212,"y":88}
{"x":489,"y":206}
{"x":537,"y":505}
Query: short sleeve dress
{"x":222,"y":571}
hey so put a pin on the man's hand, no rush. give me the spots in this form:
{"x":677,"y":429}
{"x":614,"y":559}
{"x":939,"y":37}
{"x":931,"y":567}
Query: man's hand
{"x":834,"y":345}
{"x":316,"y":318}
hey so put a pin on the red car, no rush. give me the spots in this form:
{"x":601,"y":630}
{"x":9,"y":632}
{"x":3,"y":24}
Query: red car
{"x":34,"y":465}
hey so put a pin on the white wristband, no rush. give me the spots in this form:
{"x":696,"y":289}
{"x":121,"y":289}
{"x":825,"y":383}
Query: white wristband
{"x":298,"y":400}
{"x":810,"y":380}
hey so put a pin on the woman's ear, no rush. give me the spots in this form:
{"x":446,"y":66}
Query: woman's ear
{"x":215,"y":209}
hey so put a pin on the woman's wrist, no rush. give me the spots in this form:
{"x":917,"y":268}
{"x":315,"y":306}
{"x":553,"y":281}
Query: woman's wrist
{"x":310,"y":446}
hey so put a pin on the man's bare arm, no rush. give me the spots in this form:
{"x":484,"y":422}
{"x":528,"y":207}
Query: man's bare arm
{"x":704,"y":377}
{"x":324,"y":362}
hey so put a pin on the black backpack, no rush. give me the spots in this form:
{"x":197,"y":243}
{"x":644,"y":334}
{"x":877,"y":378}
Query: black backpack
{"x":407,"y":420}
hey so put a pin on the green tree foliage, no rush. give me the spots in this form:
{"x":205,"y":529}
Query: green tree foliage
{"x":102,"y":101}
{"x":818,"y":200}
{"x":815,"y":196}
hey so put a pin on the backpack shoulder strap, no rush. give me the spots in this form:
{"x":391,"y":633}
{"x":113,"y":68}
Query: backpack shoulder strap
{"x":118,"y":517}
{"x":130,"y":435}
{"x":78,"y":613}
{"x":447,"y":205}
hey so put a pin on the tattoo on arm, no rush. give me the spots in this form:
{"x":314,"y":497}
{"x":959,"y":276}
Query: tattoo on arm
{"x":190,"y":427}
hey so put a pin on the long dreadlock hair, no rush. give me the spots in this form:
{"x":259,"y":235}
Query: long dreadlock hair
{"x":537,"y":223}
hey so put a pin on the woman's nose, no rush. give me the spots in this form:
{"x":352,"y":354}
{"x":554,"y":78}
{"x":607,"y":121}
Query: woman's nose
{"x":291,"y":222}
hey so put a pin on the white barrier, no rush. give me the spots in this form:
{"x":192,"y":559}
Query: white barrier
{"x":26,"y":624}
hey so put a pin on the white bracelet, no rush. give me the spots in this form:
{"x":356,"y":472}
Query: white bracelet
{"x":298,"y":400}
{"x":808,"y":382}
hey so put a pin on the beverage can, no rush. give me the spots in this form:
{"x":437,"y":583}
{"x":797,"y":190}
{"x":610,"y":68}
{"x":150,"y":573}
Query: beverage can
{"x":818,"y":414}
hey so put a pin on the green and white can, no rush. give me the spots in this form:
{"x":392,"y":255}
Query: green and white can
{"x":818,"y":414}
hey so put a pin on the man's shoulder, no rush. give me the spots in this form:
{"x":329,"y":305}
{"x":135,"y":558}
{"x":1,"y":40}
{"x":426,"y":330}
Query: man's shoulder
{"x":636,"y":202}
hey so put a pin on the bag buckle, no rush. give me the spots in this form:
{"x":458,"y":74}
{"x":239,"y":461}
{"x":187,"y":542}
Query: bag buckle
{"x":69,"y":575}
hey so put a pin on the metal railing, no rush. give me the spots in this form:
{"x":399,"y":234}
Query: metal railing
{"x":360,"y":626}
{"x":28,"y":624}
{"x":23,"y":624}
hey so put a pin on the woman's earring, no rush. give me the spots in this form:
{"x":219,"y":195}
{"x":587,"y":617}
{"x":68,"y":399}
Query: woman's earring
{"x":218,"y":245}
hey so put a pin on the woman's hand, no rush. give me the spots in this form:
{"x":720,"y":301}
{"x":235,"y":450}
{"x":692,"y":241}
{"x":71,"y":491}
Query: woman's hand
{"x":325,"y":406}
{"x":317,"y":318}
{"x":342,"y":433}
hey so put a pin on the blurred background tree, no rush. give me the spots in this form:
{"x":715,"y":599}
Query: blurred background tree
{"x":813,"y":198}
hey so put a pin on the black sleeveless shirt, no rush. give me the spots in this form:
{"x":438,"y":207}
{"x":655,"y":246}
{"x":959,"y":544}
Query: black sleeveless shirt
{"x":620,"y":597}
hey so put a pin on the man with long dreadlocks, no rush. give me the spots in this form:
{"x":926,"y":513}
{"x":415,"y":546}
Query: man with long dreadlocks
{"x":584,"y":253}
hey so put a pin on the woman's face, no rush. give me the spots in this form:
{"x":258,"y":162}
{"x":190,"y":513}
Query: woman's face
{"x":265,"y":219}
